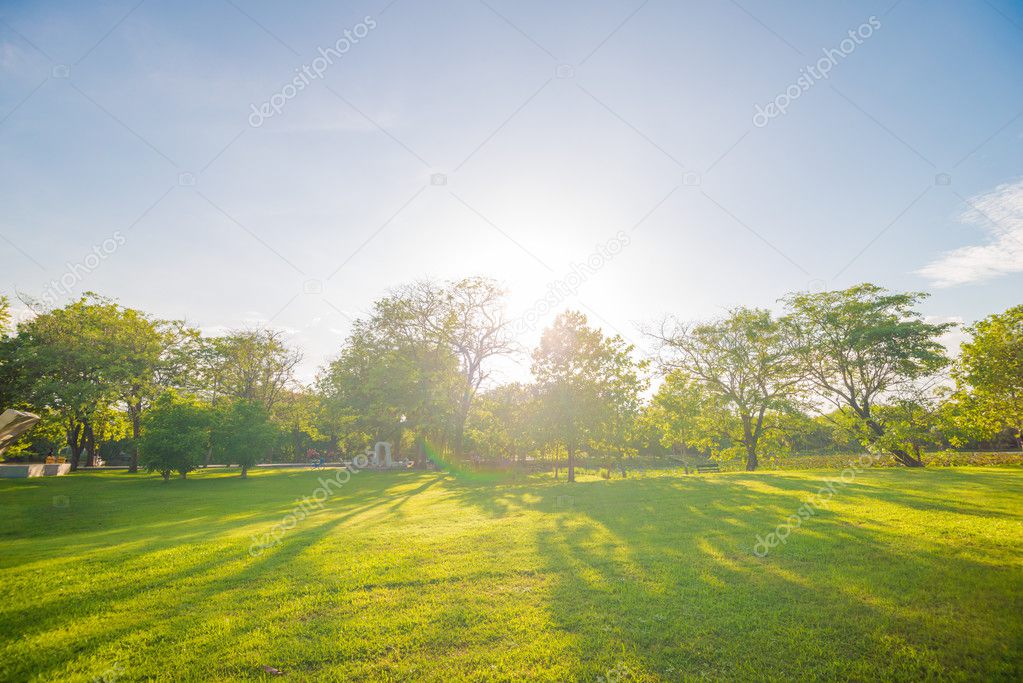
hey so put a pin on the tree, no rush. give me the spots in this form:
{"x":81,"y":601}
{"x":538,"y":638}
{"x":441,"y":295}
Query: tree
{"x":255,"y":365}
{"x":387,"y":381}
{"x":990,"y":372}
{"x":65,"y":360}
{"x":864,"y":345}
{"x":466,"y":317}
{"x":747,"y":361}
{"x":146,"y":364}
{"x":677,"y":411}
{"x":242,"y":434}
{"x":175,"y":435}
{"x":502,"y":423}
{"x":11,"y":383}
{"x":588,"y":384}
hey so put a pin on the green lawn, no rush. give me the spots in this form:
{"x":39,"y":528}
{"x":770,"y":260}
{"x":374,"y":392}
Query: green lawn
{"x":905,"y":575}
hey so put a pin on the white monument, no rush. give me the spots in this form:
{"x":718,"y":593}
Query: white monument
{"x":374,"y":455}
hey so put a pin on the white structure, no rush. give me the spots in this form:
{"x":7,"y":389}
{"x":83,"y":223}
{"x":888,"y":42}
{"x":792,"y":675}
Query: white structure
{"x":374,"y":455}
{"x":34,"y":470}
{"x":14,"y":423}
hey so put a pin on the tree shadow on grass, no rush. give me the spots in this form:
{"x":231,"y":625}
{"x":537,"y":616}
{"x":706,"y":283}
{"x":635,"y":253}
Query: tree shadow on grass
{"x":172,"y":590}
{"x":657,"y":577}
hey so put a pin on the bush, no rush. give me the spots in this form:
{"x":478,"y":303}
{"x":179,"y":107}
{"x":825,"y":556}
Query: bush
{"x":175,"y":434}
{"x":935,"y":459}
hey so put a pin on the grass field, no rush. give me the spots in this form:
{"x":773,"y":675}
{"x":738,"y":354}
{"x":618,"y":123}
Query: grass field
{"x":905,"y":574}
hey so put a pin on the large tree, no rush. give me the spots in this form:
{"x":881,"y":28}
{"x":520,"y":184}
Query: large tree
{"x":148,"y":362}
{"x":382,"y":384}
{"x":863,"y":346}
{"x":66,"y":361}
{"x":679,"y":413}
{"x":747,"y":361}
{"x":467,"y":318}
{"x":255,"y":365}
{"x":503,"y":422}
{"x":175,"y":435}
{"x":990,"y":373}
{"x":588,"y":385}
{"x":242,"y":433}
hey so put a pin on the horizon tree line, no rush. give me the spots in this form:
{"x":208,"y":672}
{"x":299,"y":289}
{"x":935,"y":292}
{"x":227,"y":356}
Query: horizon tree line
{"x":835,"y":370}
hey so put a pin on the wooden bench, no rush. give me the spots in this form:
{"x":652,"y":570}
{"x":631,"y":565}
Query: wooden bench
{"x":708,"y":467}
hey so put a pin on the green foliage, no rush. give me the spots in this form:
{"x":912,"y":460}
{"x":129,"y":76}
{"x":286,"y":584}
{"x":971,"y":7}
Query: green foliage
{"x":417,"y":371}
{"x":254,"y":365}
{"x":242,"y":434}
{"x":175,"y":436}
{"x":746,"y":363}
{"x":678,"y":411}
{"x":382,"y":384}
{"x":989,"y":375}
{"x":862,"y":345}
{"x":503,"y":422}
{"x":67,"y":362}
{"x":588,"y":387}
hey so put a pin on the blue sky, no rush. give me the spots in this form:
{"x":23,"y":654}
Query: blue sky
{"x":512,"y":139}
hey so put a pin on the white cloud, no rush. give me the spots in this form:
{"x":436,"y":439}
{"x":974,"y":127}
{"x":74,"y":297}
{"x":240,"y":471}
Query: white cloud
{"x":1000,"y":213}
{"x":953,"y":338}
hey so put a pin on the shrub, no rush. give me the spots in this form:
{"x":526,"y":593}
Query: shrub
{"x":175,"y":434}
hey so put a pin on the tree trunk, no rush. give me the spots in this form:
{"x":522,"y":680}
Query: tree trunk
{"x":76,"y":440}
{"x":571,"y":463}
{"x":184,"y":475}
{"x":90,"y":445}
{"x":750,"y":441}
{"x":245,"y":471}
{"x":906,"y":459}
{"x":72,"y":442}
{"x":136,"y":430}
{"x":751,"y":458}
{"x":165,"y":474}
{"x":902,"y":456}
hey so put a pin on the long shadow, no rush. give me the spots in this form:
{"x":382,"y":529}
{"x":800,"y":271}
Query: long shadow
{"x":192,"y":585}
{"x":674,"y":590}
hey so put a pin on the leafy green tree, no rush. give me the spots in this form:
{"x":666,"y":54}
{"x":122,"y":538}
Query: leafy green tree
{"x":383,"y":384}
{"x":146,"y":363}
{"x":296,"y":416}
{"x":467,"y":318}
{"x":990,"y":373}
{"x":242,"y":434}
{"x":66,"y":360}
{"x":913,"y":423}
{"x":502,"y":423}
{"x":588,"y":385}
{"x":747,"y":361}
{"x":175,"y":435}
{"x":255,"y":365}
{"x":863,"y":346}
{"x":678,"y":411}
